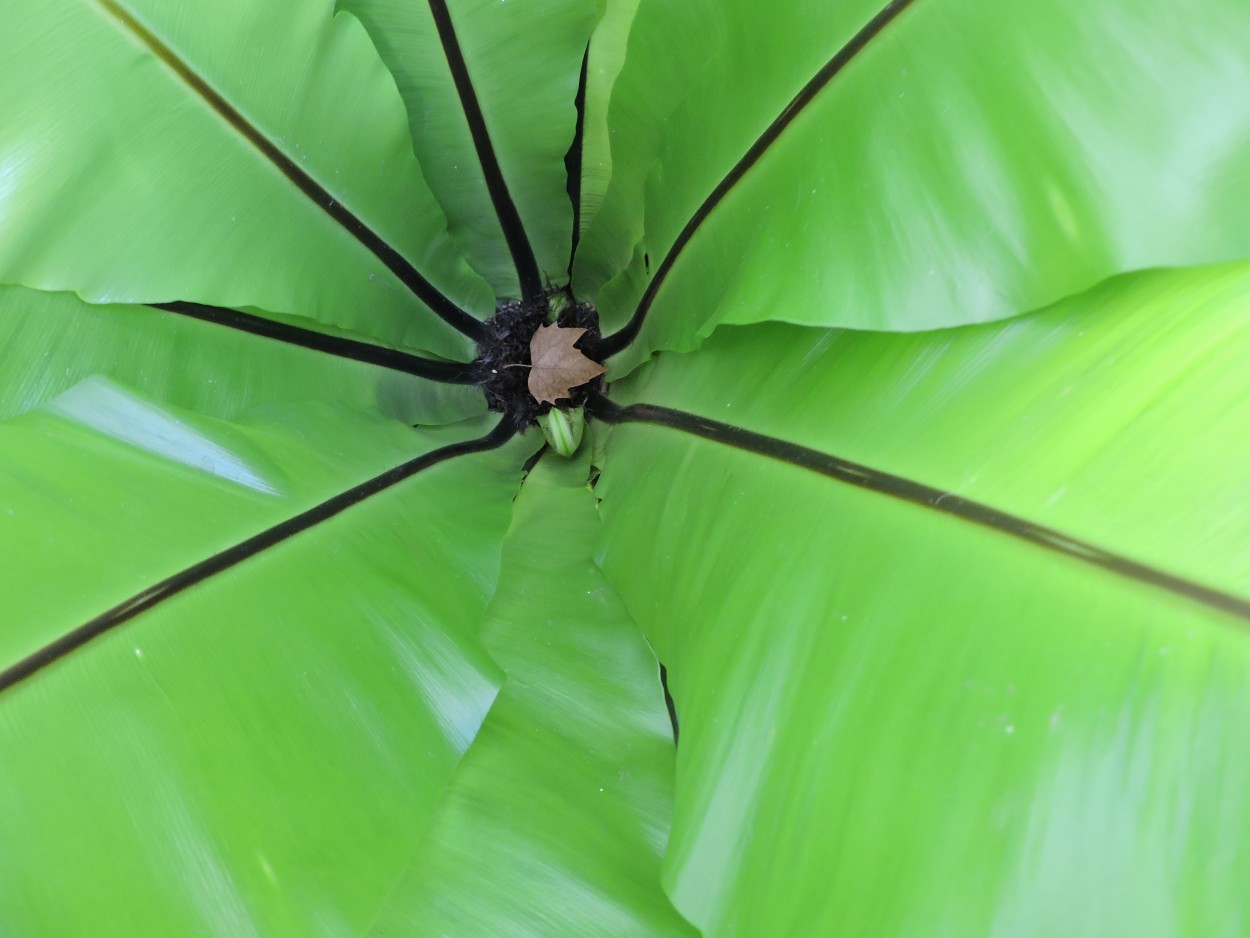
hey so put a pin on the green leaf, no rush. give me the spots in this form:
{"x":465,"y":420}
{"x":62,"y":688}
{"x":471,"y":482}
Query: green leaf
{"x":522,"y":91}
{"x":563,"y":429}
{"x":956,"y":622}
{"x":555,"y":821}
{"x":240,"y":661}
{"x":52,"y":341}
{"x":943,"y":162}
{"x":233,"y":153}
{"x":604,"y":62}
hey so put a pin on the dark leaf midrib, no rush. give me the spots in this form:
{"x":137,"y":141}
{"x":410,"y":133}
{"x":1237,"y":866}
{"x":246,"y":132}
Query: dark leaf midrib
{"x":338,"y":346}
{"x":619,"y":340}
{"x":389,"y":256}
{"x":574,"y":159}
{"x":528,"y":274}
{"x":220,"y":562}
{"x":924,"y":496}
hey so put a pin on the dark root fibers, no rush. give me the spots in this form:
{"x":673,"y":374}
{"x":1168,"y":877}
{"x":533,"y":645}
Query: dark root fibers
{"x":507,"y":345}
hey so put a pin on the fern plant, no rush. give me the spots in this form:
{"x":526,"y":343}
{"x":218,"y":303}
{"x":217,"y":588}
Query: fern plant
{"x":918,"y":463}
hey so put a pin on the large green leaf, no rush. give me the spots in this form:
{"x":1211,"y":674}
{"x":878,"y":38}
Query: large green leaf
{"x":557,"y":818}
{"x":52,"y":341}
{"x":505,"y":192}
{"x":239,"y":661}
{"x":920,"y":165}
{"x":605,"y":59}
{"x":956,"y":622}
{"x":233,"y":153}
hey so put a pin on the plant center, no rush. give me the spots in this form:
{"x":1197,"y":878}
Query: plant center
{"x":503,"y":357}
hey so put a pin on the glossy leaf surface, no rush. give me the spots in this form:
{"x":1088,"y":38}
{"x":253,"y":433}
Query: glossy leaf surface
{"x":1006,"y":704}
{"x":52,"y":341}
{"x":124,"y":180}
{"x":525,"y":90}
{"x":258,"y":750}
{"x":965,"y":161}
{"x":557,"y":817}
{"x":606,"y":58}
{"x":977,"y":666}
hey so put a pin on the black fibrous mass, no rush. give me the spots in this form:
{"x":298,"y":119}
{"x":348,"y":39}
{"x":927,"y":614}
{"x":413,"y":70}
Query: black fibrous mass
{"x":507,"y":343}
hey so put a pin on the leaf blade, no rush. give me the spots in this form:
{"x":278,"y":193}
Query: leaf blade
{"x":197,"y":365}
{"x":250,"y":745}
{"x":526,"y":91}
{"x":572,"y":844}
{"x":908,"y":194}
{"x":208,"y":216}
{"x":953,"y":722}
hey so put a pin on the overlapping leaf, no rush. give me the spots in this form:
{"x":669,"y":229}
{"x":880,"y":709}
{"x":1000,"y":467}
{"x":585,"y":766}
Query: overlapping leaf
{"x":981,"y":667}
{"x":970,"y":658}
{"x":154,"y":152}
{"x":605,"y":59}
{"x":52,"y":341}
{"x":944,"y":161}
{"x":523,"y":89}
{"x":207,"y":735}
{"x":557,"y":818}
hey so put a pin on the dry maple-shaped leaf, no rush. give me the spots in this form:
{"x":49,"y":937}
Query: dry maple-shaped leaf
{"x":557,"y":366}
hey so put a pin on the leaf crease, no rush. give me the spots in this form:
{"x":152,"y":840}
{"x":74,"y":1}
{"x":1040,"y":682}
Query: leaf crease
{"x":924,"y":496}
{"x":244,"y":550}
{"x":425,"y":291}
{"x":627,"y":333}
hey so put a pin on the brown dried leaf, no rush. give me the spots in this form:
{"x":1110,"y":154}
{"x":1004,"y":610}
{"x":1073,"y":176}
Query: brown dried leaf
{"x":557,"y":367}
